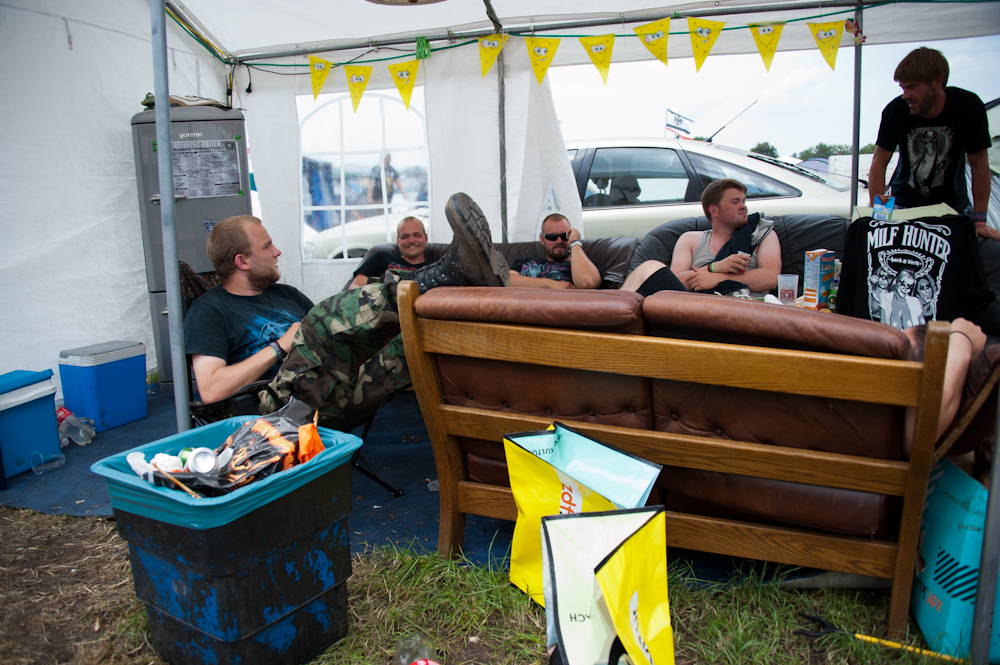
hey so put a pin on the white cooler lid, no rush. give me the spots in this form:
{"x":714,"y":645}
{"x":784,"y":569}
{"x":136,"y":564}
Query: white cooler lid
{"x":99,"y":354}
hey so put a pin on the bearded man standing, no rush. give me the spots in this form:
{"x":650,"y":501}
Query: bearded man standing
{"x":935,"y":128}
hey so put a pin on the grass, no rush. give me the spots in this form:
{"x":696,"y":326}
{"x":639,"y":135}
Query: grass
{"x":473,"y":615}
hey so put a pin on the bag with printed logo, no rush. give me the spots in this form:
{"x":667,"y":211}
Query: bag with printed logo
{"x":633,"y":582}
{"x":577,"y":621}
{"x":562,"y":472}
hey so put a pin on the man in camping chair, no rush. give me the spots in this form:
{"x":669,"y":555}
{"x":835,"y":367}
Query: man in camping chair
{"x":345,"y":358}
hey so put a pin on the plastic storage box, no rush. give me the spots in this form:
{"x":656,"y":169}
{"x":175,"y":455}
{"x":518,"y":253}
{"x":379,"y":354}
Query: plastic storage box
{"x":106,"y":382}
{"x":29,"y":435}
{"x":254,"y":576}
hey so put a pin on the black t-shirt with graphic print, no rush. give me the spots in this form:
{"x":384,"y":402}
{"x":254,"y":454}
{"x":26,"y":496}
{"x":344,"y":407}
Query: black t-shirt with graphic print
{"x":905,"y":273}
{"x":234,"y":328}
{"x":932,"y":151}
{"x":376,"y":263}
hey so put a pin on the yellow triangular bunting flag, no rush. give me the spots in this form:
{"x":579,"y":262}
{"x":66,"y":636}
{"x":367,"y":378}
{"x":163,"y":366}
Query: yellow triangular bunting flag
{"x":703,"y":36}
{"x":405,"y":75}
{"x":541,"y":50}
{"x":489,"y":49}
{"x":318,"y":70}
{"x":654,"y":37}
{"x":766,"y":35}
{"x":599,"y":49}
{"x":357,"y":80}
{"x":827,"y":36}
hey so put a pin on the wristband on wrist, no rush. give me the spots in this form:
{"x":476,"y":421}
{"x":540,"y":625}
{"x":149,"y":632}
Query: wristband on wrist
{"x":575,"y":243}
{"x":979,"y":217}
{"x":279,"y":353}
{"x":711,"y":267}
{"x":959,"y":332}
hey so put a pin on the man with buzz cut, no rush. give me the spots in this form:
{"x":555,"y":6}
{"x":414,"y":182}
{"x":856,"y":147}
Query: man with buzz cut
{"x":239,"y":331}
{"x":411,"y":238}
{"x":935,"y":128}
{"x":738,"y":253}
{"x":566,"y":264}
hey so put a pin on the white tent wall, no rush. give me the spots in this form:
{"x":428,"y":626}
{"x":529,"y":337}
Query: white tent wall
{"x":75,"y":273}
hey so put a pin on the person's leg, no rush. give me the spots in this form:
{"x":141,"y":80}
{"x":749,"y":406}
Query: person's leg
{"x":650,"y":277}
{"x":346,"y":359}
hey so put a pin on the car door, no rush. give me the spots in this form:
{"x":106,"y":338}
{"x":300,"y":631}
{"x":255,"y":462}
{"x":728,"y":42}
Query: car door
{"x":626,"y":191}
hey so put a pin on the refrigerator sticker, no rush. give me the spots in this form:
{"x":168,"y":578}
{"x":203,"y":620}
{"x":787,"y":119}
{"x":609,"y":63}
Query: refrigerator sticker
{"x":204,"y":169}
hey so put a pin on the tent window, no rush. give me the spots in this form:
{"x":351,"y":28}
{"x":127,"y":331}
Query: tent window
{"x":361,"y":172}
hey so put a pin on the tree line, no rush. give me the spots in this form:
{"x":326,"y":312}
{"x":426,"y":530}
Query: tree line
{"x":820,"y":150}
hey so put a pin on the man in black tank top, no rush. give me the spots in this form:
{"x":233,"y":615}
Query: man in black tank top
{"x":739,"y":252}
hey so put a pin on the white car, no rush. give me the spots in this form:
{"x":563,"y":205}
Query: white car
{"x":630,"y":186}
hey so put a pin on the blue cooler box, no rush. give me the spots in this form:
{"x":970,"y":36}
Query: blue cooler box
{"x":255,"y":577}
{"x":28,"y":430}
{"x":106,"y":382}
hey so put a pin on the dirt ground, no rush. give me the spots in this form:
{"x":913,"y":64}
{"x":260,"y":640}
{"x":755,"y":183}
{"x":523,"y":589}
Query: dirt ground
{"x":66,"y":592}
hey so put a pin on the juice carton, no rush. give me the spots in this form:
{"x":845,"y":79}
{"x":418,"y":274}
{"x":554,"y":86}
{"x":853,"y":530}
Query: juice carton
{"x":817,"y":278}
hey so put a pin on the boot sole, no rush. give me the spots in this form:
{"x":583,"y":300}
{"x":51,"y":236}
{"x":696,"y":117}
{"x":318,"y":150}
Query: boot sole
{"x":472,"y":232}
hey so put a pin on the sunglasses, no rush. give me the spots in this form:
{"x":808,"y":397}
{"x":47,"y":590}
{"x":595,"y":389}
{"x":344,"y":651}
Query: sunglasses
{"x":552,"y":237}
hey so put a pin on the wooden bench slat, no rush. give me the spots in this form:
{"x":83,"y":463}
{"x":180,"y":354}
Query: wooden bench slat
{"x":722,"y":455}
{"x":799,"y":372}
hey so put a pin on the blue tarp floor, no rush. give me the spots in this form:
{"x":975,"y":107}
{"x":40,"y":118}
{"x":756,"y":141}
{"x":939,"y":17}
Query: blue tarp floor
{"x":397,"y":445}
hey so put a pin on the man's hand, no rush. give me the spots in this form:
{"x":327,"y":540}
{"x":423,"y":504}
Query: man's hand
{"x":285,"y":341}
{"x":702,"y":279}
{"x":987,"y":231}
{"x":734,"y":264}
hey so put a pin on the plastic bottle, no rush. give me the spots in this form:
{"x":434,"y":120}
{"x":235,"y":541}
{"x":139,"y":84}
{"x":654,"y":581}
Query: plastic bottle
{"x":415,"y":649}
{"x":79,"y":430}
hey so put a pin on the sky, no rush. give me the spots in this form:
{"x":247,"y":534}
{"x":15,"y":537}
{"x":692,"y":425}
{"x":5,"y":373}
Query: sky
{"x":800,"y":102}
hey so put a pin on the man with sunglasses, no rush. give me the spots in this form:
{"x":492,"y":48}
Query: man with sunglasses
{"x":566,"y":265}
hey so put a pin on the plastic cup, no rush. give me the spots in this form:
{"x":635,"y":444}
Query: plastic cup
{"x":788,"y":286}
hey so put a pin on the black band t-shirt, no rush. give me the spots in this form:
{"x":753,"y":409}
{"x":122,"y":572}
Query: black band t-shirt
{"x":234,"y":328}
{"x":932,"y":151}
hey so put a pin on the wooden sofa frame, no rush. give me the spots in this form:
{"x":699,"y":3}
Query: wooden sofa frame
{"x":895,"y":382}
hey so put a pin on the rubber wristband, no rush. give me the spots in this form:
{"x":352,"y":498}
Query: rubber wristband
{"x":711,"y":267}
{"x":959,"y":332}
{"x":279,"y":353}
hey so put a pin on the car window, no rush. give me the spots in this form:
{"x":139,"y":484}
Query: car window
{"x":758,"y":186}
{"x":571,"y":154}
{"x":635,"y":176}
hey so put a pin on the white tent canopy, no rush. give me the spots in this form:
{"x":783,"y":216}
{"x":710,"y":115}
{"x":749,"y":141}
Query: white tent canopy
{"x":76,"y":73}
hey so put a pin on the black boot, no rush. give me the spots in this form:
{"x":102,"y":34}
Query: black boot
{"x":471,"y":259}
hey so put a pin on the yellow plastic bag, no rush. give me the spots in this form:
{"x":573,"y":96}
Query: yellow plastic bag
{"x":540,"y":489}
{"x":577,"y":620}
{"x":633,"y":581}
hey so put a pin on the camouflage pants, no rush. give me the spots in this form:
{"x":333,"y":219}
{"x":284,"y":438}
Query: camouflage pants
{"x":347,"y":358}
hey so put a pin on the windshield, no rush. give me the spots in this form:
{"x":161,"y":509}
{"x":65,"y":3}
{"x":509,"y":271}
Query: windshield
{"x":837,"y":182}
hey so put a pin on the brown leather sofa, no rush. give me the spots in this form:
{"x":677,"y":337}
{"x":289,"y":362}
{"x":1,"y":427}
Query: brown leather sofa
{"x":780,"y":429}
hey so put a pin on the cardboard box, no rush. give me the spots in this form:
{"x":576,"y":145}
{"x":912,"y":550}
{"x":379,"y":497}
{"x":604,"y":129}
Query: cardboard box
{"x":28,"y":430}
{"x":105,"y":382}
{"x":817,"y":278}
{"x":944,"y":591}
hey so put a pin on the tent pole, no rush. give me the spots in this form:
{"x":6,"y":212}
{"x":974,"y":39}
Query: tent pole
{"x":165,"y":165}
{"x":501,"y":124}
{"x":989,"y":564}
{"x":855,"y":151}
{"x":501,"y":99}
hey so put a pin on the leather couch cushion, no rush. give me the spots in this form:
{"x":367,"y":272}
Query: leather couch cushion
{"x":713,"y":318}
{"x":603,"y":311}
